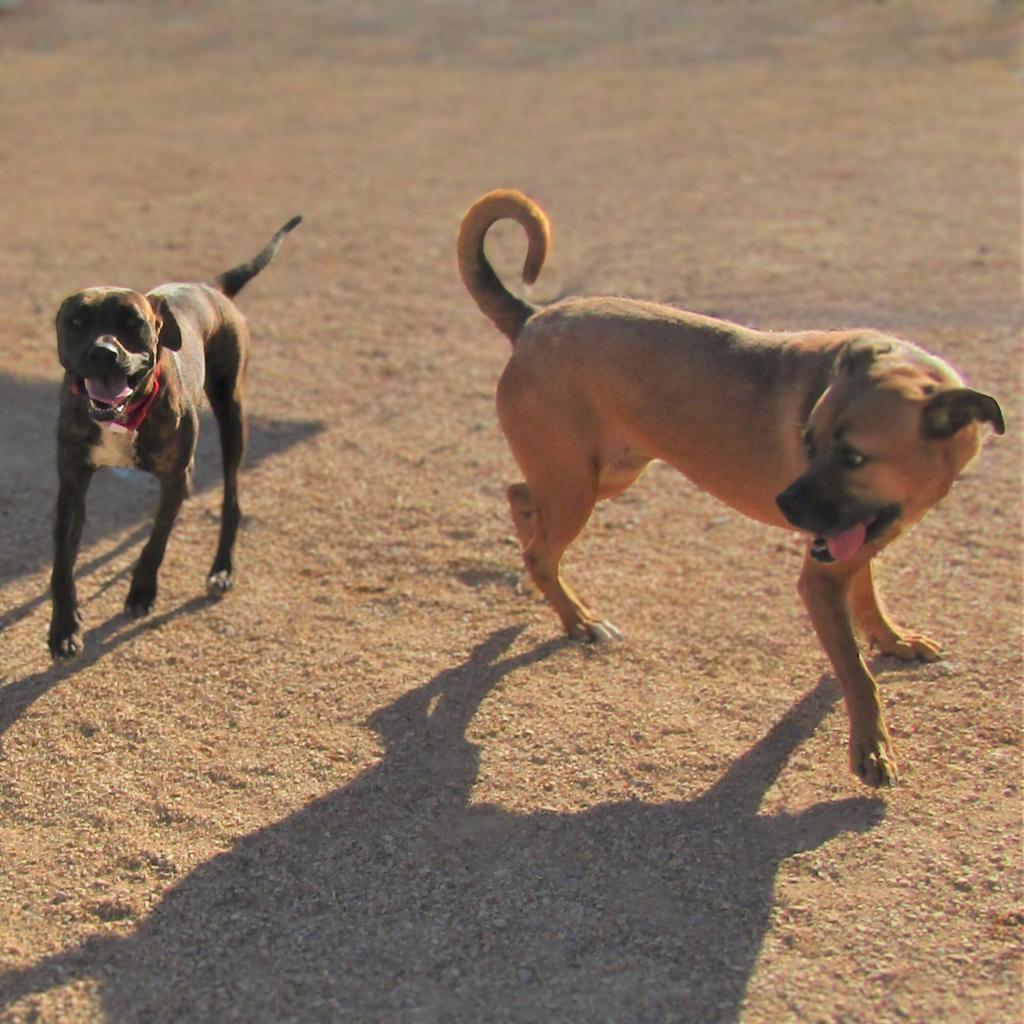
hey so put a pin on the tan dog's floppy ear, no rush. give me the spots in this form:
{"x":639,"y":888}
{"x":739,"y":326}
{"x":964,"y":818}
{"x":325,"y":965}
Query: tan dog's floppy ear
{"x":168,"y":332}
{"x":950,"y":411}
{"x":859,"y":353}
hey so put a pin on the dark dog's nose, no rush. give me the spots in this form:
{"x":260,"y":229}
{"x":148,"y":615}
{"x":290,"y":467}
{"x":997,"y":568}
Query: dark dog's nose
{"x":105,"y":355}
{"x":106,"y":347}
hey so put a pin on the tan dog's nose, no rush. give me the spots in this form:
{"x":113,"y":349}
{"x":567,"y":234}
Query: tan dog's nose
{"x":791,"y":501}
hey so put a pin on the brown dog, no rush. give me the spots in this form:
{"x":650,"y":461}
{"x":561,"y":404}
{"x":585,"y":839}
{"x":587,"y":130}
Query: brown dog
{"x":849,"y":435}
{"x":136,"y":367}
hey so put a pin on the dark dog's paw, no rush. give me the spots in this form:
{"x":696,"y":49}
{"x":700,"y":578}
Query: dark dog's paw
{"x":873,"y":763}
{"x":66,"y":645}
{"x":140,"y":601}
{"x":65,"y":636}
{"x":218,"y":583}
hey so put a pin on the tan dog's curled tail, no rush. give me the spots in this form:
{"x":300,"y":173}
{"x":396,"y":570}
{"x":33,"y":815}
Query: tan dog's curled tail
{"x":508,"y":311}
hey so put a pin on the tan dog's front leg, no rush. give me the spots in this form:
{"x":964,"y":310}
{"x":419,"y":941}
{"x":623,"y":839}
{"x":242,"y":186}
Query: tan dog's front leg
{"x":824,"y":589}
{"x":879,"y":630}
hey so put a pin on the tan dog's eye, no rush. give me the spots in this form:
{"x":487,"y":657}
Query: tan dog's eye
{"x":853,"y":459}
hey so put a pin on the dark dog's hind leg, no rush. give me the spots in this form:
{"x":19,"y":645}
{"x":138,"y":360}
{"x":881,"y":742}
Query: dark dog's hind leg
{"x":225,"y":397}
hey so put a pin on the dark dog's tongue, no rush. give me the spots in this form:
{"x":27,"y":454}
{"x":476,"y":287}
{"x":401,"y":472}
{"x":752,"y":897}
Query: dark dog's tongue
{"x":108,"y":390}
{"x":846,"y":544}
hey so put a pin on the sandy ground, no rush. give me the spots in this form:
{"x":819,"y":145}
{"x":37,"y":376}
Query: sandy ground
{"x":373,"y":783}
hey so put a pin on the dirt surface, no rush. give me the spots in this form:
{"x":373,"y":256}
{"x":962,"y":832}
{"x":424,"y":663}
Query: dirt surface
{"x":373,"y":783}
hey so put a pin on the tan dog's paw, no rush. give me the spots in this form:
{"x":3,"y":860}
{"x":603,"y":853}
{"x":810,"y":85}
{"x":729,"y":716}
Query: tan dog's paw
{"x":872,"y":761}
{"x":594,"y":631}
{"x":525,"y":587}
{"x":910,"y":647}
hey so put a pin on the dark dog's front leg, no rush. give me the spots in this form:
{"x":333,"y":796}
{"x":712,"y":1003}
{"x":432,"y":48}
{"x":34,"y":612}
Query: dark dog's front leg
{"x":825,"y":592}
{"x":65,"y":638}
{"x":142,"y":594}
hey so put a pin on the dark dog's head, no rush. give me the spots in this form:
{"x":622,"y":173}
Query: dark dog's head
{"x":884,"y":442}
{"x":108,"y":340}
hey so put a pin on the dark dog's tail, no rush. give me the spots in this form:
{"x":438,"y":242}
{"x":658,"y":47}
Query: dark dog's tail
{"x":508,"y":312}
{"x":231,"y":282}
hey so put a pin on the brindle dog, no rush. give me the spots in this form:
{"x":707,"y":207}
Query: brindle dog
{"x":136,"y":367}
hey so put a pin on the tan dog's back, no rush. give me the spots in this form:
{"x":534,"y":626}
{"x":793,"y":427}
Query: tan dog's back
{"x":645,"y":381}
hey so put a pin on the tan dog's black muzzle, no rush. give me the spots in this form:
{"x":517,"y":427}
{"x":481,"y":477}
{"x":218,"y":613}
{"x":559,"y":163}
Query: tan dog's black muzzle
{"x":838,"y":533}
{"x":804,"y":508}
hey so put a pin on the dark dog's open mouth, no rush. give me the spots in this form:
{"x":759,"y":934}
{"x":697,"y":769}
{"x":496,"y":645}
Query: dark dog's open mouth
{"x":844,"y":544}
{"x":108,"y":397}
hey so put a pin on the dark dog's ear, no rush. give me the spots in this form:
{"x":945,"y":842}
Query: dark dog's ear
{"x":950,"y":411}
{"x":168,"y":332}
{"x":67,"y":309}
{"x":859,"y":353}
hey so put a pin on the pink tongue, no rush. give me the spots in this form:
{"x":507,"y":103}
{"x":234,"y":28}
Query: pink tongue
{"x":111,"y":392}
{"x":846,"y":544}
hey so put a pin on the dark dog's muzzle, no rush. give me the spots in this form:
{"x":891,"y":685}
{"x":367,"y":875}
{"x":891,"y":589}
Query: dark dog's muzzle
{"x":109,"y":375}
{"x":107,"y":357}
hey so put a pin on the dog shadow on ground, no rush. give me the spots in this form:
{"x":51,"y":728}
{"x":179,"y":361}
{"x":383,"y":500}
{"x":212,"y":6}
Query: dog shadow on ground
{"x":397,"y":898}
{"x":118,"y":500}
{"x":17,"y":697}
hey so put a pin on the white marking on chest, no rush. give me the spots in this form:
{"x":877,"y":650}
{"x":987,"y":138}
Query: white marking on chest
{"x":113,"y":449}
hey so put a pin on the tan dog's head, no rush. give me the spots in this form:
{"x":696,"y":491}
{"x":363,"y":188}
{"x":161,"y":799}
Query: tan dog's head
{"x":884,"y":443}
{"x":108,"y":340}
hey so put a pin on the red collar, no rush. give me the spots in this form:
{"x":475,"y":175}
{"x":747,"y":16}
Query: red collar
{"x":135,"y":413}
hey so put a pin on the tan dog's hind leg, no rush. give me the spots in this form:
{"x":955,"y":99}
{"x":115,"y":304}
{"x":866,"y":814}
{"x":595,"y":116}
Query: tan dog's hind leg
{"x":524,"y":512}
{"x":545,"y":530}
{"x":825,"y":591}
{"x":524,"y":519}
{"x":874,"y":622}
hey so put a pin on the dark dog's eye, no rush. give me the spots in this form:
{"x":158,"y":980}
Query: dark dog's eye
{"x":853,"y":459}
{"x":77,"y":321}
{"x":809,"y":447}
